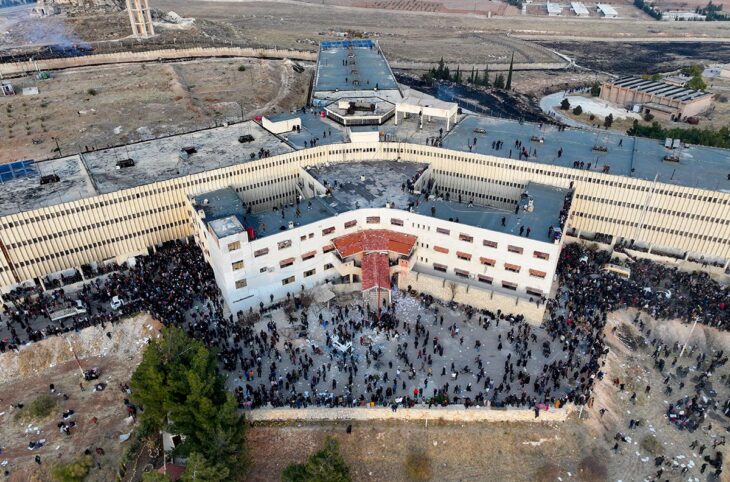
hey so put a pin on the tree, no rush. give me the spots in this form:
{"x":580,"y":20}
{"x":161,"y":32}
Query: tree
{"x":75,"y":471}
{"x":696,"y":83}
{"x":182,"y":391}
{"x":485,"y":80}
{"x":457,"y":75}
{"x":440,"y":69}
{"x":608,"y":121}
{"x":326,"y":465}
{"x":155,"y":476}
{"x":477,"y":80}
{"x":508,"y":85}
{"x":499,"y":81}
{"x":578,"y":110}
{"x":565,"y":104}
{"x":198,"y":469}
{"x":595,"y":89}
{"x":453,"y":288}
{"x":471,"y":76}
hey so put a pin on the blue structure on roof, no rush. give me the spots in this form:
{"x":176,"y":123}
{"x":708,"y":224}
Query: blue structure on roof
{"x":17,"y":170}
{"x":339,"y":44}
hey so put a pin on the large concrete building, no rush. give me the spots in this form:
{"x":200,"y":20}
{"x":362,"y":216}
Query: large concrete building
{"x":240,"y":190}
{"x":659,"y":99}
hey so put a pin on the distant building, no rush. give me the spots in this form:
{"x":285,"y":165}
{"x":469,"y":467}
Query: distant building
{"x":554,"y":9}
{"x":607,"y":10}
{"x":675,"y":15}
{"x":579,"y":9}
{"x":659,"y":99}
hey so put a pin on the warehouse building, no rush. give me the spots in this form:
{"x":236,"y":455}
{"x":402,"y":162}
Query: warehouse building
{"x":659,"y":99}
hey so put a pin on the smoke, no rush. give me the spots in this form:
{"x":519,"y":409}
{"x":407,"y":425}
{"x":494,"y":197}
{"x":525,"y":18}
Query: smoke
{"x":19,"y":29}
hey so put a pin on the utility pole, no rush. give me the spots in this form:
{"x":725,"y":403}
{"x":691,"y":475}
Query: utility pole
{"x":57,"y":146}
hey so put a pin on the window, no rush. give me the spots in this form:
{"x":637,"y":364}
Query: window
{"x":328,"y":266}
{"x":487,"y":261}
{"x":396,"y":222}
{"x":541,"y":255}
{"x":461,"y":273}
{"x":440,"y":267}
{"x":308,"y":255}
{"x":263,"y":270}
{"x":234,"y":246}
{"x":287,"y":281}
{"x":372,"y":219}
{"x":328,"y":248}
{"x":537,"y":274}
{"x":439,"y":249}
{"x":327,"y":231}
{"x":237,"y":265}
{"x":514,"y":249}
{"x":284,"y":244}
{"x":240,"y":284}
{"x":309,"y":273}
{"x":509,"y":286}
{"x":443,"y":231}
{"x":466,"y":237}
{"x":285,"y":263}
{"x":463,"y":255}
{"x":350,"y":224}
{"x":485,"y":279}
{"x":533,"y":291}
{"x":512,"y":267}
{"x":489,"y":244}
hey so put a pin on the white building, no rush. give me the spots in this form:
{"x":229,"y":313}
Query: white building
{"x":607,"y":10}
{"x":281,"y":123}
{"x":579,"y":9}
{"x":428,"y":242}
{"x":554,"y":9}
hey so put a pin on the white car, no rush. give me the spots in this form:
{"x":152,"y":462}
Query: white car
{"x":116,"y":303}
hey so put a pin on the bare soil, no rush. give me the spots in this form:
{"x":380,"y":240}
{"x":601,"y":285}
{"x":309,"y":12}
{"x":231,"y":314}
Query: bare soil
{"x":50,"y":361}
{"x":93,"y":107}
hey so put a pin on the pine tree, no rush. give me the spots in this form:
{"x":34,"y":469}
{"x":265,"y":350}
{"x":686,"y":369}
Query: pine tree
{"x":200,"y":469}
{"x":457,"y":75}
{"x":477,"y":80}
{"x":440,"y":69}
{"x":446,"y":75}
{"x":508,"y":85}
{"x":499,"y":81}
{"x":485,"y":80}
{"x":471,"y":76}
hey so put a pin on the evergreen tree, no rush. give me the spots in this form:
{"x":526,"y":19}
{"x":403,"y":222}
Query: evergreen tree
{"x":457,"y":75}
{"x":499,"y":81}
{"x":446,"y":75}
{"x":199,"y":469}
{"x":477,"y":80}
{"x":508,"y":85}
{"x":326,"y":465}
{"x":471,"y":76}
{"x":440,"y":69}
{"x":485,"y":80}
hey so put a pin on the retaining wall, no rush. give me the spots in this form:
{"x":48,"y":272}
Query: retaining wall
{"x":153,"y":55}
{"x":452,"y":413}
{"x":466,"y":68}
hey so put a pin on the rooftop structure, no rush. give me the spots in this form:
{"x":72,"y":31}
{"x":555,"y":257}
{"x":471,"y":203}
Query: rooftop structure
{"x":679,"y":102}
{"x":352,"y":65}
{"x":222,"y":210}
{"x":554,"y":9}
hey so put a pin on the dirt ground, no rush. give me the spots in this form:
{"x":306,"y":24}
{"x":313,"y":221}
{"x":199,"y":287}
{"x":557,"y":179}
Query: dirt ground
{"x":580,"y":449}
{"x":99,"y":106}
{"x":50,"y":361}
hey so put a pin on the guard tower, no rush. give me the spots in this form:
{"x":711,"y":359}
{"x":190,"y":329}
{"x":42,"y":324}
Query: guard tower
{"x":140,"y":18}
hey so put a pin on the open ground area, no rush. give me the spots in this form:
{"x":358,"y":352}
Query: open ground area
{"x":94,"y":107}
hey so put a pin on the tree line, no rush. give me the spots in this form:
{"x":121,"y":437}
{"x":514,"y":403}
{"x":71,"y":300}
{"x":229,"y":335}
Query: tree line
{"x":474,"y":78}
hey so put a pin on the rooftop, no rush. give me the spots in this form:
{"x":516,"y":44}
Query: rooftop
{"x":634,"y":157}
{"x":314,"y":128}
{"x":224,"y":211}
{"x":548,"y":202}
{"x":352,"y":66}
{"x":160,"y":159}
{"x":661,"y":89}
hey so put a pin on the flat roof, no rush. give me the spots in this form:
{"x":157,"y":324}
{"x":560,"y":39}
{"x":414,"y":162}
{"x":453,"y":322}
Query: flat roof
{"x":283,"y":116}
{"x":159,"y":159}
{"x":225,"y":212}
{"x":352,"y":66}
{"x":27,"y":193}
{"x":547,"y":204}
{"x":315,"y":128}
{"x":368,"y":184}
{"x":607,"y":9}
{"x":634,"y":157}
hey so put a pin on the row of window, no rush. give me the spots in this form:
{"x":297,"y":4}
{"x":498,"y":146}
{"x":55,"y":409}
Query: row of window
{"x":634,"y":224}
{"x":514,"y":268}
{"x":485,"y":279}
{"x":653,"y":209}
{"x":489,"y":244}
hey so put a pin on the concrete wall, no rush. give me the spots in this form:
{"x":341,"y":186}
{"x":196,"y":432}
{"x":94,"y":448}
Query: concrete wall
{"x":475,"y":296}
{"x":452,"y":413}
{"x":14,"y":68}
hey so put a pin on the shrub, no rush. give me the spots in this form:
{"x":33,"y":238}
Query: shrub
{"x":92,"y":92}
{"x":418,"y":466}
{"x":39,"y":408}
{"x":242,"y":68}
{"x":648,"y":117}
{"x":75,"y":471}
{"x":578,"y":110}
{"x":652,"y":445}
{"x":565,"y":104}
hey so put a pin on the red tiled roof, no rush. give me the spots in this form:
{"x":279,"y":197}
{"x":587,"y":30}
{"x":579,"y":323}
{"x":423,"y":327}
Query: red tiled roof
{"x":375,"y":271}
{"x":374,"y":240}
